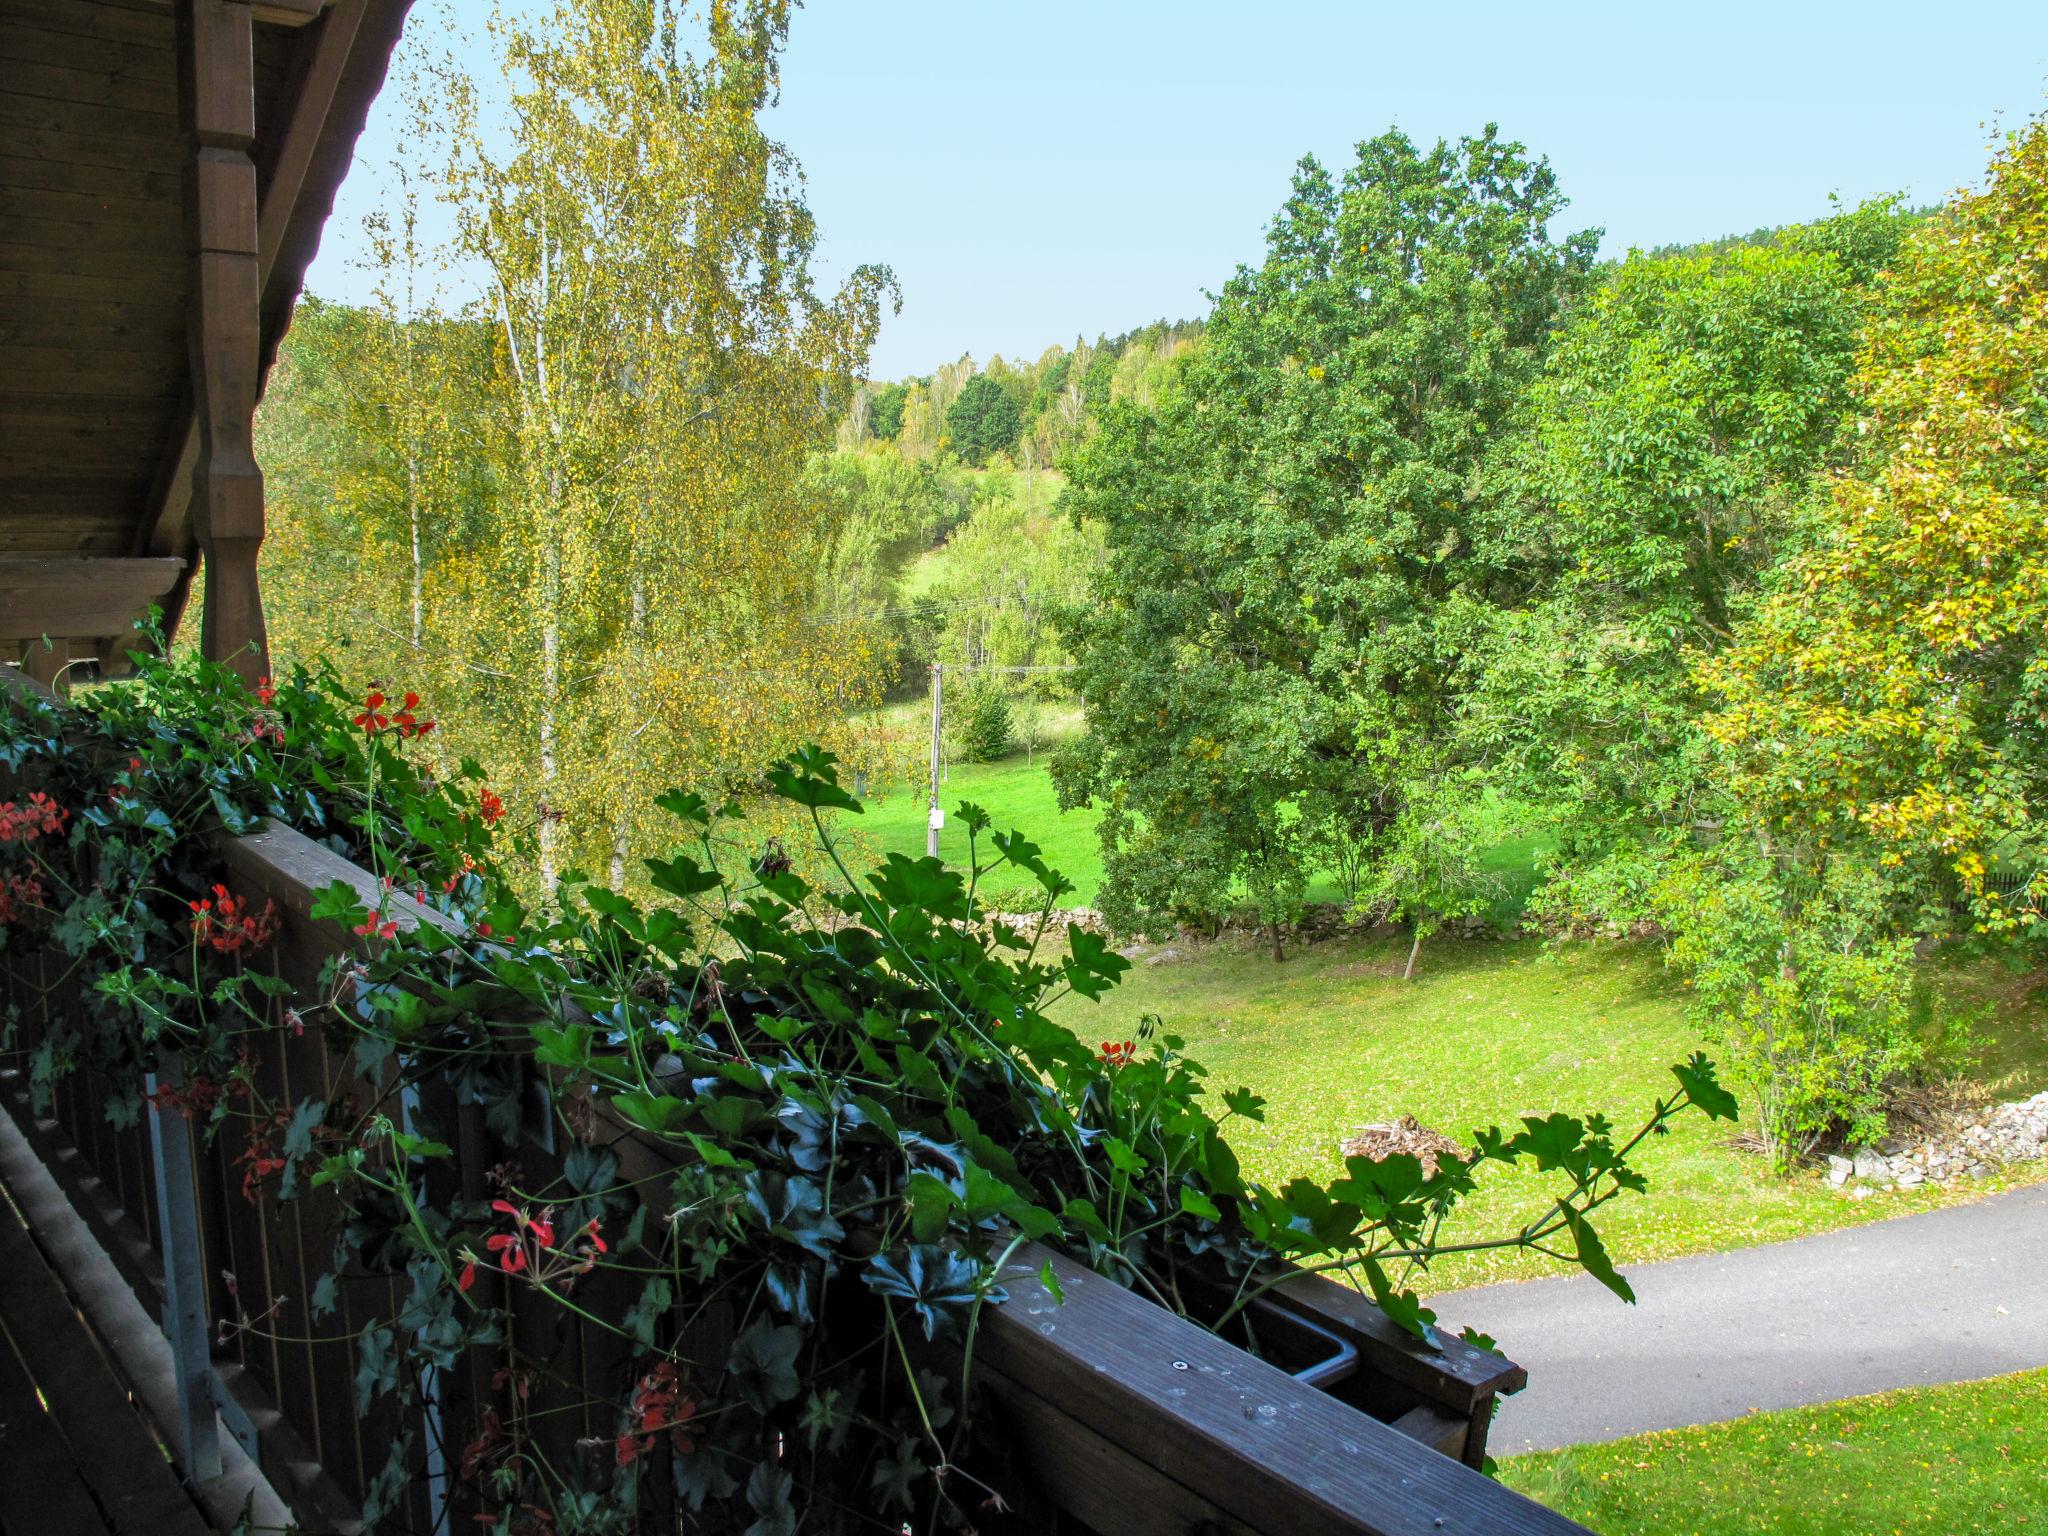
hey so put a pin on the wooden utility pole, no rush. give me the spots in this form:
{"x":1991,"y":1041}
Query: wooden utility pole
{"x":934,"y":817}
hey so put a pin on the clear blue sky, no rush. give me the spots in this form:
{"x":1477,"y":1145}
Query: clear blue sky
{"x":1036,"y":170}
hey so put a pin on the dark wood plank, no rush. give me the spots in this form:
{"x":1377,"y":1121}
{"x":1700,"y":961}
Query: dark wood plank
{"x":1458,"y":1375}
{"x":79,"y":599}
{"x":56,"y":525}
{"x":40,"y":1488}
{"x":154,"y":154}
{"x":70,"y":235}
{"x":41,"y":114}
{"x":95,"y":294}
{"x":48,"y":251}
{"x":1441,"y":1431}
{"x":140,"y":374}
{"x":1233,"y":1430}
{"x":119,"y":177}
{"x":89,"y":86}
{"x":79,"y":205}
{"x":149,"y":24}
{"x":1096,"y":1481}
{"x":127,"y":1472}
{"x":25,"y":41}
{"x":288,"y":13}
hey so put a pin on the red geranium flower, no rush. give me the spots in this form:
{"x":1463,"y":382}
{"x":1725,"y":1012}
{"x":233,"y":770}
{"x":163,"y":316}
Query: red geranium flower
{"x":38,"y":817}
{"x":657,"y":1406}
{"x":225,"y":922}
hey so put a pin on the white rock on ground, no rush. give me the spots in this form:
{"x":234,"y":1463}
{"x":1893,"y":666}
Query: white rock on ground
{"x":1968,"y":1148}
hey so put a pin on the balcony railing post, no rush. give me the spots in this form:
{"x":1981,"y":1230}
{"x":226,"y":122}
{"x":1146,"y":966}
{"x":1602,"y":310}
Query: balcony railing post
{"x":186,"y":1325}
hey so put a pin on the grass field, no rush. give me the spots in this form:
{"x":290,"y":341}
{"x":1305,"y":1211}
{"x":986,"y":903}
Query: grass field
{"x":1017,"y":792}
{"x":1019,"y":796}
{"x":1972,"y":1457}
{"x":1492,"y":1030}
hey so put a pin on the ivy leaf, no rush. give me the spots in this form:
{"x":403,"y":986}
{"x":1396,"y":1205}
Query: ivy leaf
{"x":650,"y":1111}
{"x":298,"y":1143}
{"x":895,"y":1477}
{"x":1401,"y":1306}
{"x":768,"y":1495}
{"x":387,"y":1489}
{"x":809,"y":779}
{"x":763,"y":1363}
{"x":931,"y":1200}
{"x":683,"y":876}
{"x":1050,"y":1279}
{"x":1697,"y":1077}
{"x":567,"y":1047}
{"x":338,"y":902}
{"x":1593,"y":1256}
{"x":828,"y":1415}
{"x":1242,"y":1101}
{"x":939,"y":1285}
{"x":1197,"y":1204}
{"x":1092,"y":968}
{"x":645,"y":1315}
{"x":686,"y":805}
{"x":794,"y":1209}
{"x":376,"y":1366}
{"x":702,"y":1475}
{"x":1121,"y":1156}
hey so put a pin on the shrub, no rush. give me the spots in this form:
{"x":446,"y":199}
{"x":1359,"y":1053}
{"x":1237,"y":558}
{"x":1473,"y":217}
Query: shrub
{"x":1796,"y":976}
{"x":981,"y":725}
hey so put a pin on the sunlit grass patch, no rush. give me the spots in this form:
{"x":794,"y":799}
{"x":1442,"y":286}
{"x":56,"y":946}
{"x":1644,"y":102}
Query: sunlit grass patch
{"x":1963,"y":1458}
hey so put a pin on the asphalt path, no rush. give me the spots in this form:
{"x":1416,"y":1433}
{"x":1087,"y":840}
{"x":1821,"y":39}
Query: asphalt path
{"x":1948,"y":1295}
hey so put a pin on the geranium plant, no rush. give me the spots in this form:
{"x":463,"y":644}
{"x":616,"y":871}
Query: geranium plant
{"x":773,"y":1142}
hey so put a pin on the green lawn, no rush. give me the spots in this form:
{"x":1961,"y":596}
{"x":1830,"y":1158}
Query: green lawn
{"x":1951,"y":1459}
{"x":1018,"y":794}
{"x":1019,"y":797}
{"x":1333,"y":1039}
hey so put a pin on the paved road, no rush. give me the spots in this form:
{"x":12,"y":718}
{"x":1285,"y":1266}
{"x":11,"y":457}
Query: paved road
{"x":1947,"y":1295}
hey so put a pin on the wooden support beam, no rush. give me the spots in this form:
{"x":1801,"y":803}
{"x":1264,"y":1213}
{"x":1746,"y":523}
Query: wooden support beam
{"x":294,"y":151}
{"x":288,"y":13}
{"x":217,"y":107}
{"x":80,"y":599}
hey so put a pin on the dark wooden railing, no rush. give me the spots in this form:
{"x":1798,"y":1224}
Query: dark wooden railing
{"x":1129,"y":1420}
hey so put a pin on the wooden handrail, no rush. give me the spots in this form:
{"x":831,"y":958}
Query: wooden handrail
{"x":1140,"y":1423}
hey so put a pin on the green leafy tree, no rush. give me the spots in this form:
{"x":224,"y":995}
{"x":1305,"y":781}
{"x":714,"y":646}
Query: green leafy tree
{"x":885,"y":411}
{"x":1893,"y":694}
{"x":1432,"y":870}
{"x":1667,"y":455}
{"x":1293,"y":527}
{"x":983,"y":420}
